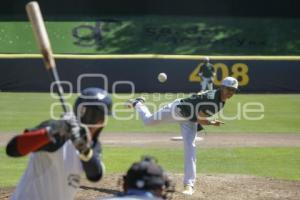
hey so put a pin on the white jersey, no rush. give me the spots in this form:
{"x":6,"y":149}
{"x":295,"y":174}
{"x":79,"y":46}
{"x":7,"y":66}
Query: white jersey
{"x":51,"y":175}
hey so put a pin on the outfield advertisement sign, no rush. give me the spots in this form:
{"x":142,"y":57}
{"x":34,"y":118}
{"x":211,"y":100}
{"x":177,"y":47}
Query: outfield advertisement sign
{"x":139,"y":74}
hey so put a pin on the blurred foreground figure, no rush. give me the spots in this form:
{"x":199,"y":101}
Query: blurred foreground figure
{"x":62,"y":149}
{"x":145,"y":180}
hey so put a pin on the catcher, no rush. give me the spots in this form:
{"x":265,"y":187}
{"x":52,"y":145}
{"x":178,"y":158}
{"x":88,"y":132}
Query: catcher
{"x":62,"y":149}
{"x":145,"y":180}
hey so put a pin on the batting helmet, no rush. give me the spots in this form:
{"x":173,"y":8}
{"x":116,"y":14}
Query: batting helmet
{"x":92,"y":105}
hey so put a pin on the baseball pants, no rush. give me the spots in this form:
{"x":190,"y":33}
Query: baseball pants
{"x":206,"y":83}
{"x":170,"y":114}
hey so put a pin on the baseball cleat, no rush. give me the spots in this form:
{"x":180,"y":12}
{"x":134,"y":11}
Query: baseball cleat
{"x":188,"y":190}
{"x":132,"y":102}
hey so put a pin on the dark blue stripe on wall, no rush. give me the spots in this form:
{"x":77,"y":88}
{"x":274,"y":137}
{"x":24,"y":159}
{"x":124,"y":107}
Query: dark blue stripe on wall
{"x":29,"y":75}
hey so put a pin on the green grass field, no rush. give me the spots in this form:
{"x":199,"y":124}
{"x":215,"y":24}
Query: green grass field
{"x":281,"y":115}
{"x":281,"y":163}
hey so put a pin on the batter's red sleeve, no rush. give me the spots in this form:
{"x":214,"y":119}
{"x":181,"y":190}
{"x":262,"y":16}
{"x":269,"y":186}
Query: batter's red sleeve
{"x":27,"y":142}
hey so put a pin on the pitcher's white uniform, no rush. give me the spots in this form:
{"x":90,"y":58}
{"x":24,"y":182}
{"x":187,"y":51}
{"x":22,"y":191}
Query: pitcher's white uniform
{"x":51,"y":176}
{"x":184,"y":111}
{"x":171,"y":114}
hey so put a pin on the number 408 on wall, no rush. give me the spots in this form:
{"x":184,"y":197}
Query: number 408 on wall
{"x":238,"y":70}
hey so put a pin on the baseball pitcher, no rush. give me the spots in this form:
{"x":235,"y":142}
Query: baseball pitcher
{"x":191,"y":113}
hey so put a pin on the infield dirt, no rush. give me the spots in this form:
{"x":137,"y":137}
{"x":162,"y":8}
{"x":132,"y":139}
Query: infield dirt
{"x":209,"y":186}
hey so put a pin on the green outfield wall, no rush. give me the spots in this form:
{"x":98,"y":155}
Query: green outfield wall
{"x":159,"y":35}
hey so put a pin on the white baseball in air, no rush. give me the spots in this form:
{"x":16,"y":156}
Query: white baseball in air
{"x":162,"y":77}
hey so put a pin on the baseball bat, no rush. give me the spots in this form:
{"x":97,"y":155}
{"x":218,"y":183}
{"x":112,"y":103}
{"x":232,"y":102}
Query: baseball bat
{"x":41,"y":36}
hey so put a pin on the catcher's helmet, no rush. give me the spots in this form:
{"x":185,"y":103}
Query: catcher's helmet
{"x":146,"y":175}
{"x":92,"y":105}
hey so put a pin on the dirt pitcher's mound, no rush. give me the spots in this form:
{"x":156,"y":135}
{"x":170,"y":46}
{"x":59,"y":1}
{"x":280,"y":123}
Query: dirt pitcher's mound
{"x":209,"y":187}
